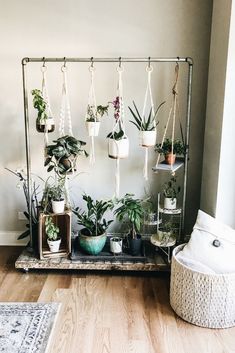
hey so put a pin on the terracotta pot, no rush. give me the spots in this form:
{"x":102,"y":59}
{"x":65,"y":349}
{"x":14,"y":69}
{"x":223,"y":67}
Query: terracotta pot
{"x":147,"y":138}
{"x":118,"y":149}
{"x":49,"y":123}
{"x":170,"y":158}
{"x":93,"y":128}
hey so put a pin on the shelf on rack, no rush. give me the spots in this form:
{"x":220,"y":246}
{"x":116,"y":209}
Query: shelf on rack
{"x":163,"y":166}
{"x":157,"y":242}
{"x":168,"y":211}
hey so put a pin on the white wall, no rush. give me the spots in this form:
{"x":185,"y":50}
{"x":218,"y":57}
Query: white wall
{"x":218,"y":188}
{"x":99,"y":28}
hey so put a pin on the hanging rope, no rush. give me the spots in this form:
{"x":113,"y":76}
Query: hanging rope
{"x":172,"y":109}
{"x":45,"y":96}
{"x":65,"y":105}
{"x":93,"y":108}
{"x":149,"y":70}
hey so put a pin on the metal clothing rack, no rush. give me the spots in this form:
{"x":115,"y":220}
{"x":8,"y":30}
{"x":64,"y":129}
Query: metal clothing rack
{"x":26,"y":61}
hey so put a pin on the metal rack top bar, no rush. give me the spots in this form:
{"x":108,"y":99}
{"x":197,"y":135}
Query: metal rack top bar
{"x":110,"y":60}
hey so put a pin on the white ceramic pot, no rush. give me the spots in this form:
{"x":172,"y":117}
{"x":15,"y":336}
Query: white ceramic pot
{"x":118,"y":149}
{"x":93,"y":128}
{"x":58,"y":206}
{"x":148,"y":138}
{"x":54,"y":245}
{"x":169,"y":203}
{"x":116,"y":245}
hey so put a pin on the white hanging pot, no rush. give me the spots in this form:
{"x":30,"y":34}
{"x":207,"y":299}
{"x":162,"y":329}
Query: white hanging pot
{"x":148,"y":138}
{"x":58,"y":206}
{"x":169,"y":203}
{"x":118,"y":148}
{"x":116,"y":245}
{"x":93,"y":128}
{"x":48,"y":124}
{"x":54,"y":245}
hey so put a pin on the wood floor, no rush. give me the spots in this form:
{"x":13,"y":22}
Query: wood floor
{"x":109,"y":313}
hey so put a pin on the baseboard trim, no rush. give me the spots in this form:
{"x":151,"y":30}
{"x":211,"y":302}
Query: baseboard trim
{"x":9,"y":238}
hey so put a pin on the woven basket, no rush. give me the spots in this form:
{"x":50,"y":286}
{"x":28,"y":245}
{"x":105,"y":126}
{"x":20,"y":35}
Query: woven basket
{"x":205,"y":300}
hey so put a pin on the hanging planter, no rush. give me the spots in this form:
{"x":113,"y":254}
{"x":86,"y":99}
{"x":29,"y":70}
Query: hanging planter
{"x":170,"y":149}
{"x":44,"y":123}
{"x":147,"y":138}
{"x":93,"y":128}
{"x":118,"y":148}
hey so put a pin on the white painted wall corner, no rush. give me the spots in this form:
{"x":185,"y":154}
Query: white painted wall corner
{"x":9,"y":238}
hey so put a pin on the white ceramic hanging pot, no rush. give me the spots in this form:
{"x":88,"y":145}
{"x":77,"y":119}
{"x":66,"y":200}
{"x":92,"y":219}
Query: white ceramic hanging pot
{"x":118,"y":148}
{"x":116,"y":245}
{"x":58,"y":206}
{"x":93,"y":128}
{"x":54,"y":245}
{"x":148,"y":138}
{"x":169,"y":203}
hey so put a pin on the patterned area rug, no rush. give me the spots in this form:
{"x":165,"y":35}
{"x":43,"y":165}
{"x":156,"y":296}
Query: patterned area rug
{"x":26,"y":327}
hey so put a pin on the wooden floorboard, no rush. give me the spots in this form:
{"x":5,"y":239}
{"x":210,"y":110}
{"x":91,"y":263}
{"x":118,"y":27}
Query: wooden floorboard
{"x":109,"y":313}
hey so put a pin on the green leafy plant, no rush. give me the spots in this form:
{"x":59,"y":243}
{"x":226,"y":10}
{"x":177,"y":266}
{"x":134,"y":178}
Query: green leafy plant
{"x":166,"y":148}
{"x":51,"y":229}
{"x":95,"y":115}
{"x":62,"y":155}
{"x":93,"y":219}
{"x":133,"y":210}
{"x":170,"y":189}
{"x":40,"y":104}
{"x":55,"y":192}
{"x":141,"y":122}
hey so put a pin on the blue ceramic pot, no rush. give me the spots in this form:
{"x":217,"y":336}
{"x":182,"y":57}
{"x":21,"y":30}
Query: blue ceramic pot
{"x":92,"y":245}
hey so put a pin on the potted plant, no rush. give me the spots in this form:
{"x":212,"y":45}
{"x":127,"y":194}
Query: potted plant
{"x":166,"y":235}
{"x":62,"y":155}
{"x":170,"y":192}
{"x":132,"y":210}
{"x":166,"y":149}
{"x":44,"y":123}
{"x":146,"y":126}
{"x":92,"y":236}
{"x":118,"y":143}
{"x":52,"y":232}
{"x":93,"y":118}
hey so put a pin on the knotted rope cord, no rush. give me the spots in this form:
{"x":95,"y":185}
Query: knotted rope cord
{"x":65,"y":106}
{"x":45,"y":96}
{"x":121,"y":121}
{"x":149,"y":70}
{"x":173,"y":108}
{"x":92,"y":103}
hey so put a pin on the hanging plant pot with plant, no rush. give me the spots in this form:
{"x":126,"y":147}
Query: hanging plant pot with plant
{"x":132,"y":209}
{"x":170,"y":192}
{"x":93,"y":118}
{"x":44,"y":122}
{"x":171,"y":150}
{"x":52,"y":232}
{"x":92,"y":237}
{"x":146,"y":126}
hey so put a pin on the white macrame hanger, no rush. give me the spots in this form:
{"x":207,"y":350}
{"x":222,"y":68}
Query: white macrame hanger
{"x":149,"y":70}
{"x":121,"y":121}
{"x":65,"y":111}
{"x":92,"y":102}
{"x":172,"y":109}
{"x":46,"y":98}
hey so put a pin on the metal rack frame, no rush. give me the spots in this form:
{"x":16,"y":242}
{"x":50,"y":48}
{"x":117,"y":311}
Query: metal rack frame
{"x":26,"y":61}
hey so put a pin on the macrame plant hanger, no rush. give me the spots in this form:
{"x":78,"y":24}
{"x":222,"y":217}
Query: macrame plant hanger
{"x":92,"y":104}
{"x":149,"y":70}
{"x":65,"y":114}
{"x":172,"y":114}
{"x":46,"y":98}
{"x":120,"y":120}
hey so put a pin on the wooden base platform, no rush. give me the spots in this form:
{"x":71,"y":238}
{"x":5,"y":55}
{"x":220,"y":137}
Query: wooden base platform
{"x":151,"y":260}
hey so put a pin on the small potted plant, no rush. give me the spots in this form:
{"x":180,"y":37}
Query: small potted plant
{"x":57,"y":194}
{"x":92,"y":236}
{"x":62,"y":155}
{"x":166,"y":235}
{"x":166,"y":149}
{"x":146,"y":126}
{"x":44,"y":123}
{"x":132,"y":210}
{"x":52,"y":232}
{"x":93,"y":118}
{"x":170,"y":192}
{"x":118,"y":143}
